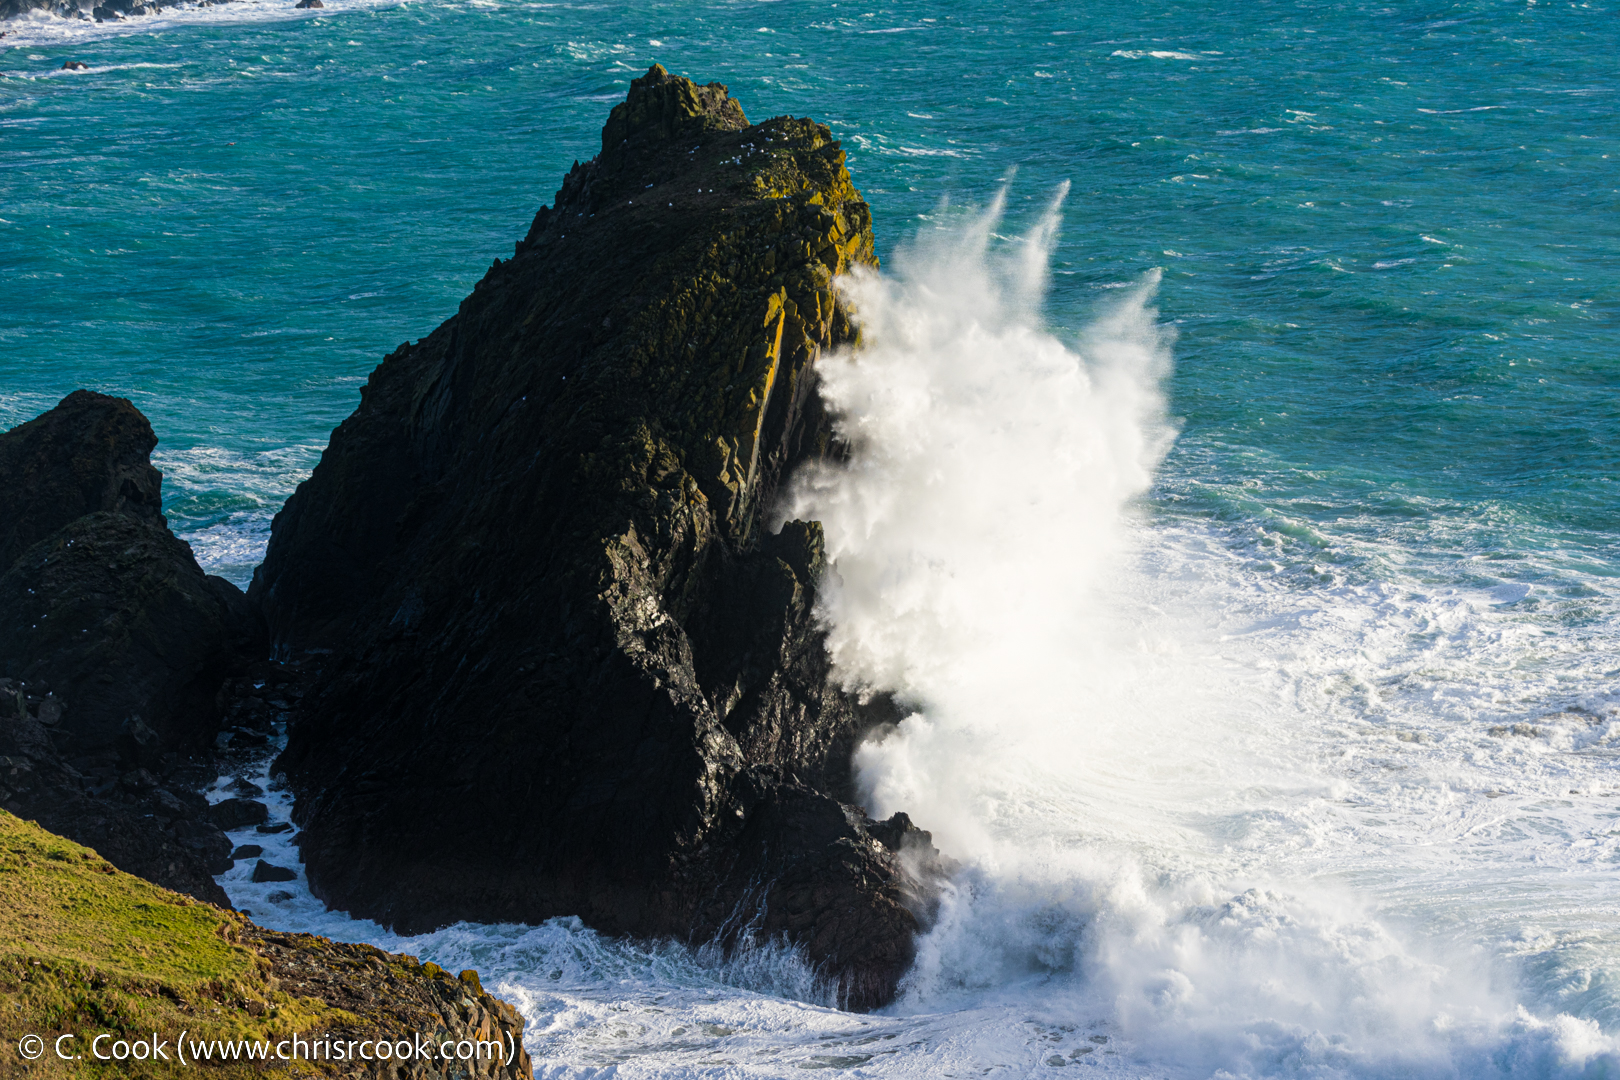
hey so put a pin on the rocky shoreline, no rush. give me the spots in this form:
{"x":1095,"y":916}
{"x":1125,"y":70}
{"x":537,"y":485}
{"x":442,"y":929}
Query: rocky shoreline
{"x":538,"y":648}
{"x":108,"y":10}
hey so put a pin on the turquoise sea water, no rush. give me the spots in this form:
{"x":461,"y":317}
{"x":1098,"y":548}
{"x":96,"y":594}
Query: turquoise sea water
{"x":1390,"y":244}
{"x":1395,"y":225}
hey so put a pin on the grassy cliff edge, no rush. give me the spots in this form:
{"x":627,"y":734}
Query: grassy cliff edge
{"x":87,"y":950}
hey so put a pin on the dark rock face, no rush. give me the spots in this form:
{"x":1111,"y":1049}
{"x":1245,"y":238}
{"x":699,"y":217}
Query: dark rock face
{"x":138,"y":827}
{"x":114,"y":646}
{"x":309,"y":4}
{"x":115,"y":611}
{"x":571,"y":671}
{"x":90,"y":453}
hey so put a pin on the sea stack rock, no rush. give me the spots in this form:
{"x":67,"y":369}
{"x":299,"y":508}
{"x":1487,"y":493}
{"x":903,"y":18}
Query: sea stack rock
{"x":113,"y":645}
{"x":571,"y":670}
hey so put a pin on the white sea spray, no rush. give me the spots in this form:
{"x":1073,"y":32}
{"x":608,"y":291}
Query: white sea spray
{"x":1092,"y":754}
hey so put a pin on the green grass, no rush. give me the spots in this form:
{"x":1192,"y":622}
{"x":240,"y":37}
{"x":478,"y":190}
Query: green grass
{"x":86,"y":948}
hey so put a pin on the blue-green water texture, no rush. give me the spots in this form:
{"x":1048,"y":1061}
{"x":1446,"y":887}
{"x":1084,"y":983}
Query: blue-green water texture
{"x":1357,"y":815}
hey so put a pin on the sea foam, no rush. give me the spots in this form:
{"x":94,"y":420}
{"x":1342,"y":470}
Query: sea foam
{"x":1124,"y":786}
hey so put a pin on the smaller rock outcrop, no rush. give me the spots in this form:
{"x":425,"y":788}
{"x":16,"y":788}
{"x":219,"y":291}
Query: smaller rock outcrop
{"x":114,"y":647}
{"x":309,"y":4}
{"x":75,"y":65}
{"x":98,"y":599}
{"x":90,"y":453}
{"x":113,"y":613}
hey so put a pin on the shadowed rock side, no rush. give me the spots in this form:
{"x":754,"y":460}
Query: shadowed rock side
{"x":116,"y":616}
{"x":571,"y":672}
{"x":92,"y":452}
{"x":113,"y":646}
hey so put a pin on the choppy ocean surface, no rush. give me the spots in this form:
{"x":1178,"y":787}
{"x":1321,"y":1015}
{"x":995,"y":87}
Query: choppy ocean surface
{"x":1244,"y":523}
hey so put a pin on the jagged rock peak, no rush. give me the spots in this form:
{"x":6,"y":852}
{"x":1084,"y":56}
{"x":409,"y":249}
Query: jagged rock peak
{"x":665,"y":106}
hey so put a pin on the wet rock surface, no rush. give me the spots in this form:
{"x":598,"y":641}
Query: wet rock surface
{"x":264,"y":871}
{"x":114,"y":648}
{"x":237,"y":813}
{"x":538,"y":565}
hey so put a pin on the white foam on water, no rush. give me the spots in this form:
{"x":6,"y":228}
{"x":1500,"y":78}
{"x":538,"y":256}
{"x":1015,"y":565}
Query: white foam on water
{"x":593,"y":1003}
{"x":43,"y":31}
{"x":1157,"y":54}
{"x":1177,"y":782}
{"x":222,"y":501}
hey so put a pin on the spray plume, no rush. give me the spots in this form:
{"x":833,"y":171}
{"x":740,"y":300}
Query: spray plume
{"x":1079,"y":754}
